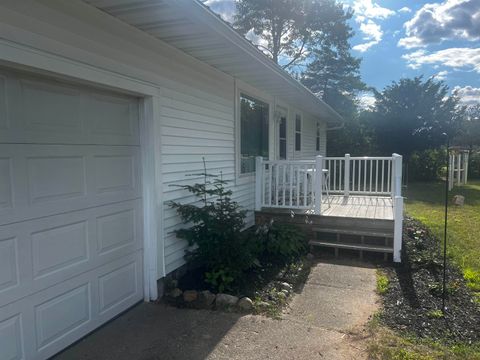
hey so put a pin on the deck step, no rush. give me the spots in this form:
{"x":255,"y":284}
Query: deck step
{"x":364,"y":247}
{"x":362,"y":232}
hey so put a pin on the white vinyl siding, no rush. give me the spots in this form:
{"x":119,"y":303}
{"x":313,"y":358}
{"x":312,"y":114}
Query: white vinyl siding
{"x":197,"y":102}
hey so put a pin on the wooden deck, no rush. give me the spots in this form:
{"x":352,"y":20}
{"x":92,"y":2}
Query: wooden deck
{"x":353,"y":206}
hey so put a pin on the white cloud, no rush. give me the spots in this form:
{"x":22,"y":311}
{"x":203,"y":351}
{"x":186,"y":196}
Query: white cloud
{"x":457,"y":58}
{"x":367,"y":12}
{"x":371,"y":10}
{"x":366,"y":100}
{"x":449,"y":20}
{"x":441,"y":75}
{"x":224,"y":8}
{"x":405,"y":9}
{"x":468,"y":94}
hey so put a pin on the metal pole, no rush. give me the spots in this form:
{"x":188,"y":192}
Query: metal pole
{"x":444,"y":289}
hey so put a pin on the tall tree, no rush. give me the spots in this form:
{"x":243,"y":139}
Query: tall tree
{"x":469,"y":133}
{"x":412,"y":114}
{"x":290,"y":30}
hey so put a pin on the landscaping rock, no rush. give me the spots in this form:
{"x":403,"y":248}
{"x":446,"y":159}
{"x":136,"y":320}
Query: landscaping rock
{"x":175,"y":293}
{"x":281,"y":295}
{"x":245,"y":303}
{"x":206,"y":298}
{"x":225,"y":300}
{"x":285,"y":286}
{"x":285,"y":291}
{"x":459,"y":200}
{"x":190,"y":296}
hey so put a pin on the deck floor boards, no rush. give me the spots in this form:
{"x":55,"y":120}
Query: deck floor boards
{"x":357,"y":206}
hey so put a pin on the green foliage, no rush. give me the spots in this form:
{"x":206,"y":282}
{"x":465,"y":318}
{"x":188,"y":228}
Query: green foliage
{"x":292,"y":30}
{"x":382,"y":283}
{"x":426,"y":165}
{"x":215,"y":238}
{"x":435,"y":314}
{"x":425,"y":202}
{"x":219,"y":279}
{"x":469,"y":133}
{"x":473,"y":278}
{"x":281,"y":242}
{"x":474,"y":165}
{"x":412,"y":114}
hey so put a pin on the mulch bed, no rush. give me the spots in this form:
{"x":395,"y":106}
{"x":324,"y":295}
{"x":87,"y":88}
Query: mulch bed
{"x":414,"y":296}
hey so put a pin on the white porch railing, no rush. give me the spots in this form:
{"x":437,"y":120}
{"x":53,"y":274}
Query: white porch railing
{"x":296,"y":184}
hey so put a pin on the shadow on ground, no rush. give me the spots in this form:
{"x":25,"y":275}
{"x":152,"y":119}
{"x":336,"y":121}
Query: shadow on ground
{"x":324,"y":321}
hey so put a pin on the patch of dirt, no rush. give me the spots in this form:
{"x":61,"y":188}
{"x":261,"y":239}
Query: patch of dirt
{"x":413,"y":301}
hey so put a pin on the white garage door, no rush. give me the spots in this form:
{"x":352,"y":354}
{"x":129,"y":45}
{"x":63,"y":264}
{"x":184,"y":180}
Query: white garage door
{"x":70,"y":212}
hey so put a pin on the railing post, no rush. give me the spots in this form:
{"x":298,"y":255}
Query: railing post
{"x":259,"y":178}
{"x":465,"y":173}
{"x":318,"y":184}
{"x":346,"y":186}
{"x":398,"y":229}
{"x":397,"y":173}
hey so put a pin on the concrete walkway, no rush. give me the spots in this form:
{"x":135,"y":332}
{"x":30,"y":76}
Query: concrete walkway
{"x":324,"y":321}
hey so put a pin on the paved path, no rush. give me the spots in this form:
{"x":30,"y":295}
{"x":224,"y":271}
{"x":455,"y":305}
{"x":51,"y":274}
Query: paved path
{"x":324,"y":321}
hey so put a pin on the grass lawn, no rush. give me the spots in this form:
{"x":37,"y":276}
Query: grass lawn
{"x":425,"y":202}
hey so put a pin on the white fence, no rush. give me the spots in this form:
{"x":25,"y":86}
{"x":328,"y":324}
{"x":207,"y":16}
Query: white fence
{"x":458,"y":168}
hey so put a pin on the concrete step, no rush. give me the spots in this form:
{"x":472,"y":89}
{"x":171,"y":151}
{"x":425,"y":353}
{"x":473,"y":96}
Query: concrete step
{"x":353,"y":231}
{"x":363,"y":247}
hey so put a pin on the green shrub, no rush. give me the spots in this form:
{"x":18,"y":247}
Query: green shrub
{"x":474,"y":165}
{"x":426,"y":165}
{"x":281,"y":242}
{"x":215,"y":238}
{"x":382,"y":283}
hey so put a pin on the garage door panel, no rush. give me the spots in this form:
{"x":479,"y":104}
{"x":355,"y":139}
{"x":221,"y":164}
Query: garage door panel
{"x":52,"y":179}
{"x":40,"y":253}
{"x":9,"y":274}
{"x":11,"y":339}
{"x":62,"y":314}
{"x":112,"y":116}
{"x":36,"y":110}
{"x":48,"y":109}
{"x":6,"y":186}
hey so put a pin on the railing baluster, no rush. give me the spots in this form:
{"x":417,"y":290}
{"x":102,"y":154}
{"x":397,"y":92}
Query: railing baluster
{"x":290,"y":174}
{"x":370,"y":162}
{"x":383,"y":173}
{"x":376,"y":176}
{"x":284,"y":180}
{"x":276,"y":185}
{"x":389,"y":180}
{"x":353,"y":175}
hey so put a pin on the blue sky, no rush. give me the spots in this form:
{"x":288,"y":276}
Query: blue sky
{"x":406,"y":38}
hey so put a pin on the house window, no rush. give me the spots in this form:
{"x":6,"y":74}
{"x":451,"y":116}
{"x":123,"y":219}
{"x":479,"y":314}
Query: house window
{"x":317,"y":146}
{"x":298,"y":132}
{"x":282,"y":138}
{"x":253,"y":132}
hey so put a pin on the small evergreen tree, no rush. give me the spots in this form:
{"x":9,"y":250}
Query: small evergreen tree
{"x":216,"y":240}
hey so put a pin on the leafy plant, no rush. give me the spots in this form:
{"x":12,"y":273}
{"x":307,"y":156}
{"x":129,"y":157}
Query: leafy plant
{"x":215,"y":238}
{"x":282,"y":242}
{"x":435,"y":314}
{"x":219,"y":279}
{"x":382,"y":283}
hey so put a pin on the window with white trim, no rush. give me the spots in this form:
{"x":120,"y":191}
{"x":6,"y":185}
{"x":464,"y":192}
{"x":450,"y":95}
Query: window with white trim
{"x":298,"y":132}
{"x":253,"y":132}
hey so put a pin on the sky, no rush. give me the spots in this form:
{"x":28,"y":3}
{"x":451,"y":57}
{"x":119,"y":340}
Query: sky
{"x":406,"y":38}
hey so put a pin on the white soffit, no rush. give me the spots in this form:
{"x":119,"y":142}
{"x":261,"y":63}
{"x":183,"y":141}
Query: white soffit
{"x":191,"y":27}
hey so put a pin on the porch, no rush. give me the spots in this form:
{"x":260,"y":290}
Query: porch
{"x":353,"y":203}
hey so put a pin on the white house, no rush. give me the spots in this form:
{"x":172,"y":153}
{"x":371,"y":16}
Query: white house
{"x":103,"y":105}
